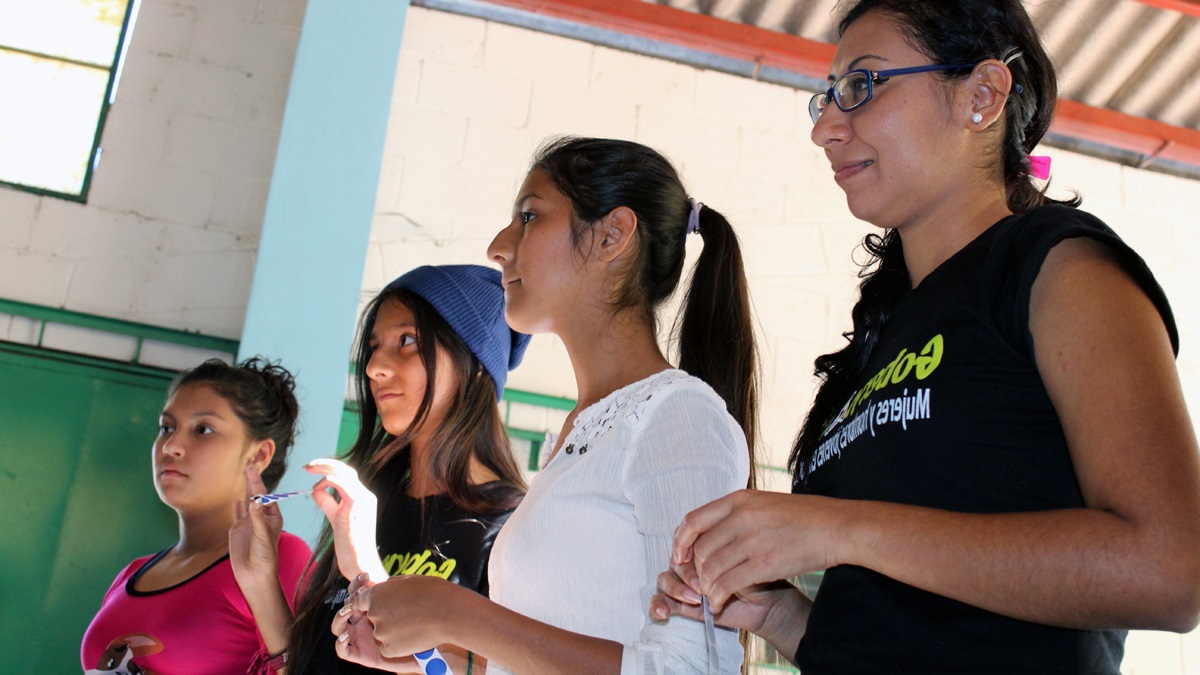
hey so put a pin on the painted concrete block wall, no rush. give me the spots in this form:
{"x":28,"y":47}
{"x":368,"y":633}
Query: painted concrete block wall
{"x":473,"y":100}
{"x":170,"y":229}
{"x":469,"y":110}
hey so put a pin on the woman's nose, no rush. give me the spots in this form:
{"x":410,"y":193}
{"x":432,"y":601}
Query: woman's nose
{"x":171,"y":446}
{"x":832,"y":126}
{"x":377,"y":366}
{"x":500,"y":250}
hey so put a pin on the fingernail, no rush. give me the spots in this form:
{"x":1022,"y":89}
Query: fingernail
{"x":660,"y":612}
{"x":691,"y":596}
{"x":344,"y":636}
{"x":362,"y":576}
{"x":346,"y":609}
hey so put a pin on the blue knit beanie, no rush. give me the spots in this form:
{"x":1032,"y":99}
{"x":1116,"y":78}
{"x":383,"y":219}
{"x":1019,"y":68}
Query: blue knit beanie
{"x":471,"y":299}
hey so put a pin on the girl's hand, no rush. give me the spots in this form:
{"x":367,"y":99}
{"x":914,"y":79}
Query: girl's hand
{"x":750,"y":537}
{"x":412,"y":613}
{"x":356,"y":637}
{"x":746,"y":610}
{"x":254,"y":539}
{"x":352,"y":516}
{"x":776,"y":611}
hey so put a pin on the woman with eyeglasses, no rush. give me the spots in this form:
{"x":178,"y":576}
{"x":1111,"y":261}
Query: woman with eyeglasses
{"x":998,"y":472}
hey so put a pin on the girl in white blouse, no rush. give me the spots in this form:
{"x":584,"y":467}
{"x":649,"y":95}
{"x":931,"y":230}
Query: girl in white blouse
{"x":595,"y":245}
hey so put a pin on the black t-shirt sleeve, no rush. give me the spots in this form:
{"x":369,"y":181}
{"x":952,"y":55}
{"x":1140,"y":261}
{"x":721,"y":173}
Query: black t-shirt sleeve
{"x":1028,"y":240}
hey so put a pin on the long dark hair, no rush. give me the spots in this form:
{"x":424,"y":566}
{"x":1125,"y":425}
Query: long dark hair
{"x":262,"y":395}
{"x":714,"y":332}
{"x":947,"y":31}
{"x":472,"y":428}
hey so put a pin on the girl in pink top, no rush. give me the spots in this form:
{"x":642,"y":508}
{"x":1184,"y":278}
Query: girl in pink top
{"x":219,"y":600}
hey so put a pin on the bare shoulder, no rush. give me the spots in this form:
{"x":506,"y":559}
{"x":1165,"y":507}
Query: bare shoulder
{"x":1083,"y":293}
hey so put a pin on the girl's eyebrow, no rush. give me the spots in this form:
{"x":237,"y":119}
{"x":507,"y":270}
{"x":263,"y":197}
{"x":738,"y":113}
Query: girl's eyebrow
{"x":195,"y":415}
{"x":398,"y":325}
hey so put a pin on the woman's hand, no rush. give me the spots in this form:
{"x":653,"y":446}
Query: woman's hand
{"x":254,"y":556}
{"x":678,"y":594}
{"x":254,"y":539}
{"x":352,"y":516}
{"x":356,"y":636}
{"x":412,"y":613}
{"x":776,"y":611}
{"x":749,"y":538}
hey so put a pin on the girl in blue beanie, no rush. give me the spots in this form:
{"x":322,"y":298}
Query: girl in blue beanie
{"x":431,"y":477}
{"x":596,"y":243}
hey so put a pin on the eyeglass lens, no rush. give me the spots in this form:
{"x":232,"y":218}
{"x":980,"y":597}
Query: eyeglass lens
{"x":849,"y":91}
{"x":852,"y":90}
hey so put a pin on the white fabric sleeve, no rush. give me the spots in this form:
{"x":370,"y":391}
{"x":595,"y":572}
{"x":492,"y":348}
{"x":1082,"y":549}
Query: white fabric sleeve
{"x":688,"y":451}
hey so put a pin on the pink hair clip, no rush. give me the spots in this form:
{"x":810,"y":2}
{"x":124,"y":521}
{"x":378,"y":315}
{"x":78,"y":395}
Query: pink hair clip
{"x":1039,"y":166}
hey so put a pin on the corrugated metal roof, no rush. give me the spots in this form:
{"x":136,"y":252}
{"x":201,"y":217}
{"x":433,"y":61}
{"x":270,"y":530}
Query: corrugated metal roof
{"x":1123,"y":55}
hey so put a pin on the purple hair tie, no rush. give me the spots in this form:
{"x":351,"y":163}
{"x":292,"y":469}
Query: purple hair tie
{"x":1039,"y":166}
{"x":693,"y":225}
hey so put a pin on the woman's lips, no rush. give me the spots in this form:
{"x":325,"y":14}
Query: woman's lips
{"x":848,"y":171}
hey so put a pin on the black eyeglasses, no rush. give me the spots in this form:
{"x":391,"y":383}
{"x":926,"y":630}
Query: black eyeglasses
{"x":854,"y":89}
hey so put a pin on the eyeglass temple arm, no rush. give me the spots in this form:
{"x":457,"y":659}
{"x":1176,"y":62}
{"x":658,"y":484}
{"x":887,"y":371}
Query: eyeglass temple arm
{"x":920,"y":69}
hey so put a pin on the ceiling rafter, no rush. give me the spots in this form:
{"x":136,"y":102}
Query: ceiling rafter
{"x":1189,"y":7}
{"x":1090,"y":125}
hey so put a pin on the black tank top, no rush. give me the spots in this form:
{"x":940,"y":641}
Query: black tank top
{"x":432,"y":536}
{"x":950,"y":413}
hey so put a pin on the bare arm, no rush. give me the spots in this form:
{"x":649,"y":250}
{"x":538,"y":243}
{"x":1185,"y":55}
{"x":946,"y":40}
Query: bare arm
{"x":254,"y":556}
{"x":454,"y":615}
{"x":352,"y":517}
{"x":777,"y":612}
{"x":1128,"y":559}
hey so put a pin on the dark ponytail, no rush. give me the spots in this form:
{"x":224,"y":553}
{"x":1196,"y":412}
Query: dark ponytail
{"x":884,"y":281}
{"x":714,"y":333}
{"x":947,"y":31}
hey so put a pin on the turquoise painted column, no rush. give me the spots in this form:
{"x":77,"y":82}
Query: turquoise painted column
{"x":308,"y":273}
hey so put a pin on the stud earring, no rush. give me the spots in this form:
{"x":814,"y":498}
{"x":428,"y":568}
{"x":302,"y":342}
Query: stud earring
{"x":977,"y":118}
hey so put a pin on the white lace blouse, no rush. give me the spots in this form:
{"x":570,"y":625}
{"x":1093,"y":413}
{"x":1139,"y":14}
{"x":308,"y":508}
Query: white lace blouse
{"x":584,"y":549}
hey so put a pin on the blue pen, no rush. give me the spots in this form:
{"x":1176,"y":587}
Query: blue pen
{"x":270,"y":499}
{"x":432,"y":663}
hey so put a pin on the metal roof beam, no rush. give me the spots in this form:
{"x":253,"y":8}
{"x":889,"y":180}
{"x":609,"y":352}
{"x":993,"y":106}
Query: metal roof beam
{"x":688,"y":29}
{"x":1189,"y":7}
{"x":1107,"y":133}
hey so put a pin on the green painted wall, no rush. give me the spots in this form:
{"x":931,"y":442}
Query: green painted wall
{"x":79,"y":501}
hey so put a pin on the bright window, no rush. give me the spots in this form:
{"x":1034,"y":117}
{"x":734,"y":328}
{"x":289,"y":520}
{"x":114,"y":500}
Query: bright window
{"x":59,"y":64}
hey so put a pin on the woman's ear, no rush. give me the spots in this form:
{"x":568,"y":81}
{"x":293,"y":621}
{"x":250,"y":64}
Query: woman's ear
{"x":261,"y":453}
{"x":616,"y":232}
{"x":985,"y":94}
